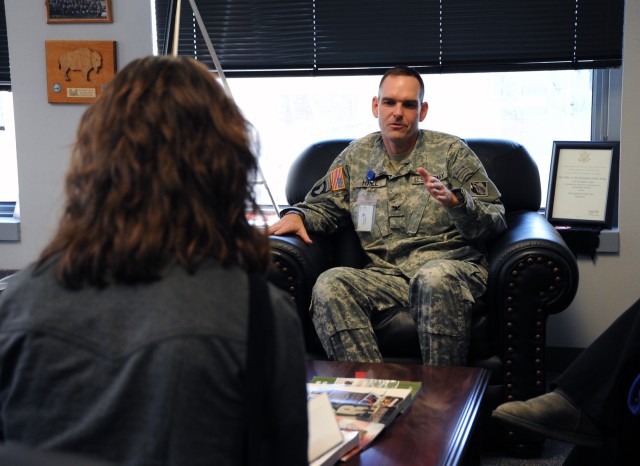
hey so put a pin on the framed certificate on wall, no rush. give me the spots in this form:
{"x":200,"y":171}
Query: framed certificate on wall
{"x":583,"y":183}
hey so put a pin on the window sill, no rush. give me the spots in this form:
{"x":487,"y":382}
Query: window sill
{"x":9,"y":229}
{"x":609,"y":240}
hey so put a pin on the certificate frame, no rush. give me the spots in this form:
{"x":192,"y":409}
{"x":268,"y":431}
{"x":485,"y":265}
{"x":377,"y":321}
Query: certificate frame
{"x":583,"y":183}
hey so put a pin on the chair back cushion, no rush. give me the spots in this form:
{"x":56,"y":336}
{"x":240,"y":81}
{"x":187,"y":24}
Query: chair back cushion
{"x":311,"y":165}
{"x":508,"y":164}
{"x":512,"y":169}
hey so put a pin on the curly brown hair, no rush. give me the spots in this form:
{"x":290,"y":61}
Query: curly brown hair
{"x":159,"y":174}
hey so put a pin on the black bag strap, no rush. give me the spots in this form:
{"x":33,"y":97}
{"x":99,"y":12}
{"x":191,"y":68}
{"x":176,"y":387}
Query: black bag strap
{"x":259,"y":371}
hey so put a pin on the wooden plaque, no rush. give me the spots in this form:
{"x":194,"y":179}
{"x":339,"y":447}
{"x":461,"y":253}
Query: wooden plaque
{"x":78,"y":70}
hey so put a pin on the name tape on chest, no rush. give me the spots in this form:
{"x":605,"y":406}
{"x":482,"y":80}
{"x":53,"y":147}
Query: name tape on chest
{"x":417,"y":179}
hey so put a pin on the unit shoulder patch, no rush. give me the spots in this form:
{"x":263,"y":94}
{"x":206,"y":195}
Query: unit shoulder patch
{"x":479,"y":188}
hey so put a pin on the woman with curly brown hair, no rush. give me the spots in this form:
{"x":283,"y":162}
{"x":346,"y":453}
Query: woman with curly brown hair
{"x":127,"y":340}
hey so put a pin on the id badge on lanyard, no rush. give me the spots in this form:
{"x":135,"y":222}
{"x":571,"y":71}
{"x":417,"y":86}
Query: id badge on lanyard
{"x":366,"y":209}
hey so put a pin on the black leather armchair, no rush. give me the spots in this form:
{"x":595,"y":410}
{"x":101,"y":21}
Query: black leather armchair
{"x":532,"y":273}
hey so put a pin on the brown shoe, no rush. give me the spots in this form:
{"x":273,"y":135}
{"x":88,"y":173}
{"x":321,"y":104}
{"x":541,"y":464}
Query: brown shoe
{"x":554,"y":416}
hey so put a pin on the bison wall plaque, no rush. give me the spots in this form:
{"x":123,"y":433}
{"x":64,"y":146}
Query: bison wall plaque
{"x":77,"y":70}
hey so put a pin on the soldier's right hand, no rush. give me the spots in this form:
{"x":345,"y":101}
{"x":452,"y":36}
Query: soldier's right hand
{"x":290,"y":223}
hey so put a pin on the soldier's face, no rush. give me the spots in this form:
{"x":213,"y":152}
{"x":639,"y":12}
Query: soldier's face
{"x":399,"y":110}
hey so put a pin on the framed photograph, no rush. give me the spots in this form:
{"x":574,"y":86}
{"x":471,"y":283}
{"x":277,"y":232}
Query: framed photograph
{"x":78,"y":70}
{"x":583,"y":183}
{"x":78,"y":11}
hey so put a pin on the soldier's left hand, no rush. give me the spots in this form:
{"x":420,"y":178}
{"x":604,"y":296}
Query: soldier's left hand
{"x":438,"y":190}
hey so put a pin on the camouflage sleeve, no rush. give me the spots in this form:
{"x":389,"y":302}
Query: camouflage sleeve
{"x":326,"y":205}
{"x":480,"y":215}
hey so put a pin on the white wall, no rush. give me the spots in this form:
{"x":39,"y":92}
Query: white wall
{"x":45,"y":131}
{"x":611,"y":284}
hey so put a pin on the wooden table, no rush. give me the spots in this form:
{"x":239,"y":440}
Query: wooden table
{"x":436,"y":428}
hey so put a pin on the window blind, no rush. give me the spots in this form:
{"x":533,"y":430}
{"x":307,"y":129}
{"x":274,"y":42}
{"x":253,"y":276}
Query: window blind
{"x":5,"y":75}
{"x":325,"y":37}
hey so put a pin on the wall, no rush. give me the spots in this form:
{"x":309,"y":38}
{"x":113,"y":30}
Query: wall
{"x":44,"y":131}
{"x":611,"y":283}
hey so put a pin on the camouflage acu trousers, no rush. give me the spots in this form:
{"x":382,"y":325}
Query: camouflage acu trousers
{"x":440,"y":297}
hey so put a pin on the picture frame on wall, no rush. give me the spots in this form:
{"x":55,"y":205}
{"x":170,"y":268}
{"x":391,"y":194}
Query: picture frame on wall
{"x":583,"y":183}
{"x":78,"y":11}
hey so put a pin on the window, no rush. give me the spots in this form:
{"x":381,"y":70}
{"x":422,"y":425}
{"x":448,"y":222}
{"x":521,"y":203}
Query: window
{"x":533,"y":108}
{"x":5,"y":75}
{"x":497,"y":68}
{"x":8,"y":164}
{"x":8,"y":161}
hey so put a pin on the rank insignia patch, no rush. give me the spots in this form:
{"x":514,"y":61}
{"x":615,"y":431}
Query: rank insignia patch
{"x":337,"y":179}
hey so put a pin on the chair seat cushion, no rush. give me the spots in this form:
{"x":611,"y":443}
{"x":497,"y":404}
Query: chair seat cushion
{"x":396,"y":333}
{"x":397,"y":336}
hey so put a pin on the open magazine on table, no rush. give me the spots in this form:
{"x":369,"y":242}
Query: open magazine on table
{"x":365,"y":407}
{"x":416,"y":387}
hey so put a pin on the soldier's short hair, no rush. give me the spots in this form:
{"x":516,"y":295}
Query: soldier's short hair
{"x":404,"y":71}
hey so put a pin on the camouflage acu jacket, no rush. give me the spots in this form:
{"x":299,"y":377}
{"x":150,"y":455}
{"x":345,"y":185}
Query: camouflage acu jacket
{"x":408,"y":227}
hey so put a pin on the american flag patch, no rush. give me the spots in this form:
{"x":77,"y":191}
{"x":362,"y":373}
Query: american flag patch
{"x":337,"y":179}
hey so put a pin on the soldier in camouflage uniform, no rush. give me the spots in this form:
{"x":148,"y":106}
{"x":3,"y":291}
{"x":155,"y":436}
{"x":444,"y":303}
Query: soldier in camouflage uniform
{"x":422,"y":205}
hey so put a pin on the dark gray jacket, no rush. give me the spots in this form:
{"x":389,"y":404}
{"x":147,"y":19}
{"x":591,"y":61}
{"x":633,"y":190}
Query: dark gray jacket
{"x":151,"y":374}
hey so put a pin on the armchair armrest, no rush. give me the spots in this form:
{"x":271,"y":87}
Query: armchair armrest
{"x":295,"y":268}
{"x":530,"y":259}
{"x":532,"y":273}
